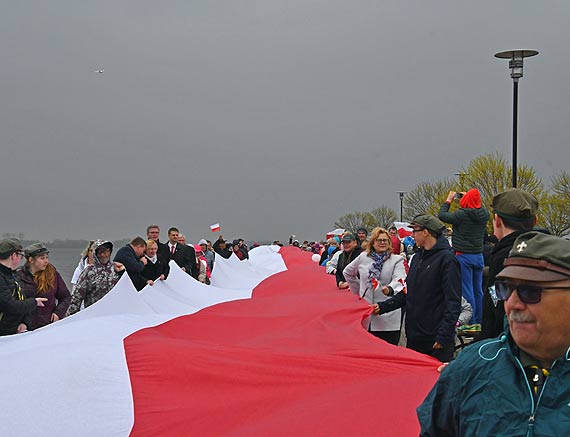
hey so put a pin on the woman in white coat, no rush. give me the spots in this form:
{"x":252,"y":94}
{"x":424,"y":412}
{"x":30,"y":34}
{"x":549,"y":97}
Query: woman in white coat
{"x":376,"y":275}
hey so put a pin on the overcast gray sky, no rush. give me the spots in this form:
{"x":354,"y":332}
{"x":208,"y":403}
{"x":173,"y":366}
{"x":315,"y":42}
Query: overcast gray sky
{"x":270,"y":117}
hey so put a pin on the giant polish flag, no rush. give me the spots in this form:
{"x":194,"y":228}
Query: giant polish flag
{"x":270,"y":348}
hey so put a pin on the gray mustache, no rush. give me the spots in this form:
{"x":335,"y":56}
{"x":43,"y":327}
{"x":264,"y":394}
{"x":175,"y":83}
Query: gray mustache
{"x":520,"y":317}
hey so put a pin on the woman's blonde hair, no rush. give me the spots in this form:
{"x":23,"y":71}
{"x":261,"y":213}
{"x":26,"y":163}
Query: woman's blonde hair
{"x":376,"y":232}
{"x":44,"y":279}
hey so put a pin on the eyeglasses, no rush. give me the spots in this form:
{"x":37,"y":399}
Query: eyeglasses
{"x":529,"y":294}
{"x":417,"y":230}
{"x":19,"y":253}
{"x":382,"y":240}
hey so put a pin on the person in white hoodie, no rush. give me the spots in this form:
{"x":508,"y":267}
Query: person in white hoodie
{"x":376,"y":275}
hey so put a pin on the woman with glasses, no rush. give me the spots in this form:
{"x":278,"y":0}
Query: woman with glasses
{"x":376,"y":275}
{"x":39,"y":278}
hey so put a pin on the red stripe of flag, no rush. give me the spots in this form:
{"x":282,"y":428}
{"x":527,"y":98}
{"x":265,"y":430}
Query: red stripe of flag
{"x":293,"y":360}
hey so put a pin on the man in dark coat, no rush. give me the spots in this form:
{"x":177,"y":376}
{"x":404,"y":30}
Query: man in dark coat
{"x":515,"y":213}
{"x":16,"y":312}
{"x":433,"y":298}
{"x":517,"y":384}
{"x":183,"y":255}
{"x":351,"y":250}
{"x":220,"y":247}
{"x":132,"y":257}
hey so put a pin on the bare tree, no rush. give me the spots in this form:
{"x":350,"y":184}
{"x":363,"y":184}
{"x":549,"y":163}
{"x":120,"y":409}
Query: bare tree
{"x":554,"y":214}
{"x":561,"y":184}
{"x":354,"y":220}
{"x":426,"y":198}
{"x":382,"y":217}
{"x":491,"y":174}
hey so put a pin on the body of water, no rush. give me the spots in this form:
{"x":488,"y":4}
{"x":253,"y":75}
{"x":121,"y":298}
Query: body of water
{"x":65,"y":261}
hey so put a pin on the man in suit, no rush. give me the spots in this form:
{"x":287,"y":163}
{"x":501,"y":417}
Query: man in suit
{"x":183,"y":255}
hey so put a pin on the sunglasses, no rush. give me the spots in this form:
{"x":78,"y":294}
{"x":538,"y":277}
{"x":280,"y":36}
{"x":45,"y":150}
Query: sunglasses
{"x":529,"y":294}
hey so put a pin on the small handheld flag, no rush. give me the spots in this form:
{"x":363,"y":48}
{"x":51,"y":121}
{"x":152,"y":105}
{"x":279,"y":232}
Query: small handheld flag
{"x":215,"y":227}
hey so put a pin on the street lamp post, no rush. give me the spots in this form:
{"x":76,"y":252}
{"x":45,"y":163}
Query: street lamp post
{"x":461,"y":176}
{"x":516,"y":66}
{"x":401,"y":193}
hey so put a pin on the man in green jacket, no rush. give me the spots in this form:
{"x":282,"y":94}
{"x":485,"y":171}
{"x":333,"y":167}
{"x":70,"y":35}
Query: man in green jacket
{"x":469,"y":223}
{"x":515,"y":385}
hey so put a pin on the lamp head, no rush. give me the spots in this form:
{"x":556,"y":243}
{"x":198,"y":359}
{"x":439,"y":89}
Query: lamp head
{"x":516,"y":60}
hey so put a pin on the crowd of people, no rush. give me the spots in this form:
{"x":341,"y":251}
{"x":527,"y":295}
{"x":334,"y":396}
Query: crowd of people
{"x":510,"y":381}
{"x":509,"y":289}
{"x":35,"y":294}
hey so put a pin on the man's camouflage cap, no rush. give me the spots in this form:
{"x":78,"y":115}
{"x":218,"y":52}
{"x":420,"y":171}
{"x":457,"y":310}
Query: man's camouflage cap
{"x":10,"y":245}
{"x":538,"y":257}
{"x":515,"y":204}
{"x":428,"y":222}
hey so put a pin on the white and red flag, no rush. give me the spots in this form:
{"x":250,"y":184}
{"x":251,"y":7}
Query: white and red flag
{"x":404,"y":229}
{"x":215,"y":227}
{"x":334,"y":232}
{"x":272,"y":347}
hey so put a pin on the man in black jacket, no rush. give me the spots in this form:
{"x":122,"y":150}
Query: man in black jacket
{"x":515,"y":213}
{"x":433,"y":299}
{"x":16,"y":312}
{"x":351,"y":250}
{"x":132,"y":257}
{"x":183,"y":255}
{"x":220,"y":247}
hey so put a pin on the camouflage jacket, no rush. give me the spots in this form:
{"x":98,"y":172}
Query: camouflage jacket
{"x":95,"y":281}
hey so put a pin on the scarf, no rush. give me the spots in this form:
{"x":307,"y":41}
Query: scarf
{"x":376,"y":267}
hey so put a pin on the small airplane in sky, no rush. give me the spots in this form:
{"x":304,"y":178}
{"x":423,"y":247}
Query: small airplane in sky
{"x":99,"y":71}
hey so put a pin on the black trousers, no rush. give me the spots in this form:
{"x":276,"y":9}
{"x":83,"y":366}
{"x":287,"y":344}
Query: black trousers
{"x":392,"y":337}
{"x":426,"y":347}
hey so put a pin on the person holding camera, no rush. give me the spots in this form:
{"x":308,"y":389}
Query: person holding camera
{"x":469,"y":227}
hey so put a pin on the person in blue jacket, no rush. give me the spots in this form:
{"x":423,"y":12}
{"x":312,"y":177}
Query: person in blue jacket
{"x":517,"y":384}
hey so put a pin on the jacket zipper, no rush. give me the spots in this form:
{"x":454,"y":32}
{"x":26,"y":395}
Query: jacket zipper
{"x":534,"y":408}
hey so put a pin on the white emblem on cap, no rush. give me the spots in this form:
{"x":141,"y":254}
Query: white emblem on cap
{"x":522,"y":246}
